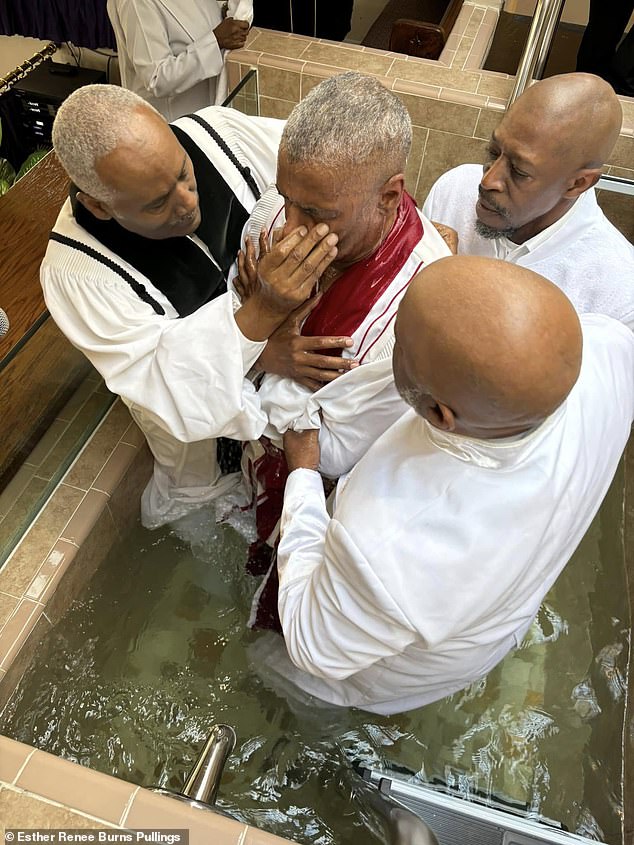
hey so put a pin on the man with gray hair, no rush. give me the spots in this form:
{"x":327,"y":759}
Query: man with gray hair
{"x":135,"y":276}
{"x":341,"y":164}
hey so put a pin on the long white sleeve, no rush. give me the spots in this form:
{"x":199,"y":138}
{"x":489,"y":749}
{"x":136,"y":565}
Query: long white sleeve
{"x":241,"y":10}
{"x":336,"y":616}
{"x":187,"y":372}
{"x":157,"y":67}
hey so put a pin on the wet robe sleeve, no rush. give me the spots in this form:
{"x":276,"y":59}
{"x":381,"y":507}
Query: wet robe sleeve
{"x":337,"y":617}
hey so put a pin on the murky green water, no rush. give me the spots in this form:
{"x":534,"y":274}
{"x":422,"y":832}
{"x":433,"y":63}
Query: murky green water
{"x":133,"y":678}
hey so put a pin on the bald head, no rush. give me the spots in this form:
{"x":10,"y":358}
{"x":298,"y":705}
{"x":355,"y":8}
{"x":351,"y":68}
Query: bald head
{"x":577,"y":114}
{"x":547,"y":151}
{"x":485,"y":348}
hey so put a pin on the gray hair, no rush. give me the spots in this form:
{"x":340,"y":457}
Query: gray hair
{"x":347,"y":121}
{"x":89,"y":124}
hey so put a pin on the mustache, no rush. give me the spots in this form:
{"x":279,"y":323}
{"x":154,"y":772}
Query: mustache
{"x":491,"y":203}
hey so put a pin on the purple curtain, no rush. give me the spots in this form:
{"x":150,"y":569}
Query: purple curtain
{"x":84,"y":22}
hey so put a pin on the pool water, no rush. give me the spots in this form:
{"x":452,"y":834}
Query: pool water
{"x":135,"y":675}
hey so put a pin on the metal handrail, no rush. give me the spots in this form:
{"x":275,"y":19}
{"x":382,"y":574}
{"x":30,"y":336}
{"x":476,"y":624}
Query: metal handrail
{"x":538,"y":43}
{"x":616,"y":184}
{"x":201,"y":788}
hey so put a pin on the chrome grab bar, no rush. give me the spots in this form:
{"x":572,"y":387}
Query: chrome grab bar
{"x":616,"y":184}
{"x":203,"y":782}
{"x":540,"y":36}
{"x":204,"y":779}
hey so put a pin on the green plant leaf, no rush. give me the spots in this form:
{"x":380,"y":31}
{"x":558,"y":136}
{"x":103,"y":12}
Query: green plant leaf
{"x":7,"y":171}
{"x":31,"y":161}
{"x":4,"y":187}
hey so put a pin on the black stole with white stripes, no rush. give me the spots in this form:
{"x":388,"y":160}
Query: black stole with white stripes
{"x":177,"y":266}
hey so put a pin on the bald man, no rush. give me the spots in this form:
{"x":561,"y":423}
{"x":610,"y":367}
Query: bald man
{"x":448,"y":533}
{"x":534,"y":203}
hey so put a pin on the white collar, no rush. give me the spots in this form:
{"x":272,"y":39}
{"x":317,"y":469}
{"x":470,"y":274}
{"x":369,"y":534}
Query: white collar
{"x":490,"y":454}
{"x":506,"y":250}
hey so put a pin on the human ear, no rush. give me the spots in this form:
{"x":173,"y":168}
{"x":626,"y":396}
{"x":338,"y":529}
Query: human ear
{"x":391,"y":193}
{"x":582,"y":181}
{"x":99,"y":209}
{"x":442,"y":417}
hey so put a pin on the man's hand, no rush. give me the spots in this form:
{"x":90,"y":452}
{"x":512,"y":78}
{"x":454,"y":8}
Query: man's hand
{"x":293,"y":266}
{"x":231,"y":34}
{"x":449,"y":236}
{"x":246,"y":283}
{"x":290,"y":355}
{"x":286,"y":276}
{"x":302,"y":449}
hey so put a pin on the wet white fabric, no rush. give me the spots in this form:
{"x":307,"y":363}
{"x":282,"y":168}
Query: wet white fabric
{"x":586,"y":256}
{"x":441,"y":547}
{"x":182,"y":378}
{"x":168,"y":53}
{"x":364,"y":397}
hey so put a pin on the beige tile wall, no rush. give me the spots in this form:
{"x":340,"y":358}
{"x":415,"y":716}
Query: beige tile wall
{"x":78,"y":524}
{"x":454,"y":104}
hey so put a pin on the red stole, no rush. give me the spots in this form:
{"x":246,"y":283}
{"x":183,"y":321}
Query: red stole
{"x":347,"y":302}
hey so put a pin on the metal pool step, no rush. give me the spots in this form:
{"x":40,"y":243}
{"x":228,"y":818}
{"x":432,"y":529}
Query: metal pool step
{"x":456,"y":821}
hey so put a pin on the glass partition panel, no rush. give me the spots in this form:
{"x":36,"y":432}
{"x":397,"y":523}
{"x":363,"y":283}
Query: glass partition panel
{"x":52,"y":399}
{"x":244,"y":97}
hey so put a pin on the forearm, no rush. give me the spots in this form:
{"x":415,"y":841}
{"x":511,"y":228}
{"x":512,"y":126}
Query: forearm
{"x":188,"y":372}
{"x":336,"y":618}
{"x":172,"y":74}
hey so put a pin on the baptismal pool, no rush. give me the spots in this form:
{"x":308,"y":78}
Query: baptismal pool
{"x":156,"y":652}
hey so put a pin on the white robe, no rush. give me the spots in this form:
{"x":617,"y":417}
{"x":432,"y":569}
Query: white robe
{"x":583,"y":254}
{"x":441,"y":547}
{"x":168,"y":53}
{"x":364,"y":401}
{"x":183,"y":379}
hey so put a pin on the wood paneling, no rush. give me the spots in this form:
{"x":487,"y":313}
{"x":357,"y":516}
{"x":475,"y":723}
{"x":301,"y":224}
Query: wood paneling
{"x":36,"y":380}
{"x":34,"y":385}
{"x":27,"y":214}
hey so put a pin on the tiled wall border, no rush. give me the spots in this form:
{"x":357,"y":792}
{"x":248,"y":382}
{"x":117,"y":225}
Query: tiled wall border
{"x":454,"y":105}
{"x":86,"y":515}
{"x":40,"y":790}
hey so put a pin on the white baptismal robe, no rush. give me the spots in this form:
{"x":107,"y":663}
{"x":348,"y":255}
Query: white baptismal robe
{"x":168,"y":53}
{"x":582,"y":253}
{"x":183,"y":378}
{"x":362,"y":400}
{"x":441,"y":547}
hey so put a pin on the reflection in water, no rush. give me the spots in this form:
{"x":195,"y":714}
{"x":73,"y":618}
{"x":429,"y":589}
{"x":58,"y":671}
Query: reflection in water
{"x":133,"y":679}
